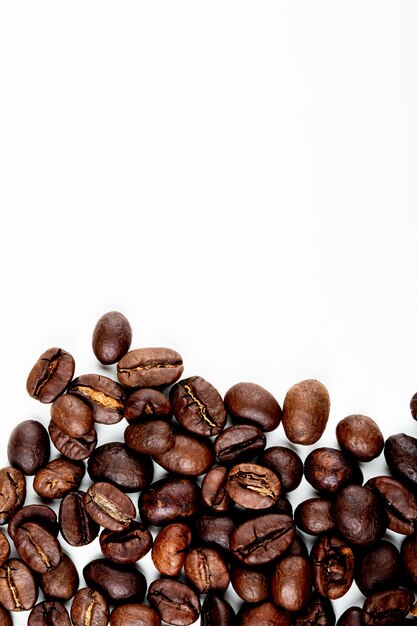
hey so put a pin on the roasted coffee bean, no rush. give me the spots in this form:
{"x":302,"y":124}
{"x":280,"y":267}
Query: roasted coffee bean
{"x":187,"y":456}
{"x":282,"y":505}
{"x":215,"y":529}
{"x":262,"y":539}
{"x":377,"y":568}
{"x":399,"y":502}
{"x":175,"y":602}
{"x":169,"y":549}
{"x":134,"y":615}
{"x":238,"y":443}
{"x":120,"y":583}
{"x":5,"y":617}
{"x":248,"y":402}
{"x":198,"y":406}
{"x":386,"y":608}
{"x":74,"y":449}
{"x":313,"y":517}
{"x":286,"y":464}
{"x":145,"y":404}
{"x":250,"y":584}
{"x":168,"y":500}
{"x":18,"y":589}
{"x":306,"y":412}
{"x":12,"y":492}
{"x":126,"y":546}
{"x":333,"y":566}
{"x":328,"y":470}
{"x":115,"y":463}
{"x":265,"y":613}
{"x":297,"y":548}
{"x":103,"y":395}
{"x":89,"y":608}
{"x":216,"y":610}
{"x":213,"y":490}
{"x":360,"y":437}
{"x":150,"y":367}
{"x":409,"y":557}
{"x":318,"y":612}
{"x":38,"y":547}
{"x":50,"y":375}
{"x":253,"y":486}
{"x":351,"y":617}
{"x":72,"y":416}
{"x":359,"y":515}
{"x":413,"y":406}
{"x":60,"y":583}
{"x":58,"y":477}
{"x":150,"y":437}
{"x":40,"y":513}
{"x":28,"y":449}
{"x":112,"y":337}
{"x":401,"y":455}
{"x":4,"y":549}
{"x":108,"y":506}
{"x":291,"y":583}
{"x":49,"y":614}
{"x":77,"y":528}
{"x":206,"y":569}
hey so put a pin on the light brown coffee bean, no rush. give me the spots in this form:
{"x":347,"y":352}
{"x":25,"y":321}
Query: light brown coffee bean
{"x":169,"y":549}
{"x":149,"y":367}
{"x":109,"y":507}
{"x":306,"y":412}
{"x":253,"y":486}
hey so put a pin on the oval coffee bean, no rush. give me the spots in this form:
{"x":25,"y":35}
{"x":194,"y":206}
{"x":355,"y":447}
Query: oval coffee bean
{"x":5,"y":617}
{"x":74,"y":449}
{"x":248,"y":402}
{"x":12,"y":492}
{"x":207,"y":570}
{"x":413,"y":406}
{"x":108,"y":506}
{"x":409,"y":557}
{"x":40,"y":513}
{"x":150,"y":437}
{"x":57,"y":478}
{"x":286,"y":464}
{"x":306,"y":412}
{"x":28,"y":449}
{"x":187,"y":456}
{"x":169,"y":549}
{"x":175,"y":602}
{"x":351,"y":617}
{"x":328,"y":470}
{"x":251,"y":585}
{"x":239,"y":443}
{"x":318,"y":612}
{"x":4,"y":549}
{"x":72,"y":416}
{"x":253,"y":486}
{"x":265,"y":613}
{"x":60,"y":583}
{"x":134,"y":615}
{"x":401,"y":456}
{"x":333,"y":564}
{"x":377,"y":568}
{"x":215,"y":529}
{"x":128,"y":545}
{"x":50,"y":375}
{"x":216,"y":610}
{"x":213,"y":490}
{"x":38,"y":547}
{"x":89,"y":608}
{"x":144,"y":404}
{"x":150,"y":367}
{"x":49,"y":614}
{"x":18,"y":589}
{"x":77,"y":528}
{"x":386,"y":608}
{"x":313,"y":517}
{"x":115,"y":463}
{"x":198,"y":406}
{"x":297,"y":548}
{"x":292,"y":583}
{"x":399,"y":502}
{"x":112,"y":337}
{"x":262,"y":539}
{"x":168,"y":500}
{"x":120,"y":583}
{"x":360,"y":436}
{"x":358,"y":515}
{"x":103,"y":395}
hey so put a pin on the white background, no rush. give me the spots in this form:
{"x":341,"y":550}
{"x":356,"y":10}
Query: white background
{"x":239,"y":178}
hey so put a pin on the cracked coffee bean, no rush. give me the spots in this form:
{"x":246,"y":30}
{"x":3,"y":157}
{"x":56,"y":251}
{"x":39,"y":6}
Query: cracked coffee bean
{"x":318,"y":612}
{"x":89,"y":608}
{"x":399,"y":502}
{"x":28,"y":449}
{"x":4,"y":549}
{"x":128,"y":545}
{"x":286,"y":464}
{"x":50,"y":375}
{"x":62,"y":582}
{"x":12,"y":492}
{"x":401,"y":456}
{"x":214,"y":494}
{"x":116,"y":464}
{"x":104,"y":396}
{"x":18,"y":589}
{"x":328,"y":470}
{"x":253,"y":486}
{"x":358,"y":515}
{"x":262,"y":539}
{"x":306,"y":412}
{"x":198,"y":406}
{"x":72,"y":416}
{"x":206,"y":569}
{"x":175,"y":602}
{"x":333,"y":566}
{"x":77,"y":527}
{"x":169,"y":549}
{"x":266,"y":613}
{"x":145,"y":404}
{"x":216,"y":610}
{"x":134,"y":615}
{"x":39,"y":513}
{"x":313,"y":516}
{"x":169,"y":500}
{"x":187,"y":456}
{"x":38,"y":547}
{"x":49,"y":614}
{"x":108,"y":506}
{"x":74,"y":449}
{"x":386,"y":608}
{"x":119,"y":583}
{"x":238,"y":443}
{"x":57,"y":478}
{"x":112,"y":337}
{"x":251,"y":585}
{"x":248,"y":402}
{"x":292,"y":583}
{"x":378,"y":568}
{"x":150,"y":367}
{"x":360,"y":437}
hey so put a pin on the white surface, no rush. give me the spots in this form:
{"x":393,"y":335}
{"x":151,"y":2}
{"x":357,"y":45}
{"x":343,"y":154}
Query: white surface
{"x":238,"y":178}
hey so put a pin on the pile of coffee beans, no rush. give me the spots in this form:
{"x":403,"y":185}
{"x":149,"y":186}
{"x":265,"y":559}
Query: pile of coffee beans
{"x":219,"y":516}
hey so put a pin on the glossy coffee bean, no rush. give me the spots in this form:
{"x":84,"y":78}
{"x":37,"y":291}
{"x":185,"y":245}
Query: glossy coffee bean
{"x":253,"y":486}
{"x":150,"y":367}
{"x":58,"y":477}
{"x":359,"y":515}
{"x":18,"y":589}
{"x":409,"y":557}
{"x":286,"y":464}
{"x":4,"y":549}
{"x":115,"y":463}
{"x":104,"y":396}
{"x":351,"y":617}
{"x":360,"y":437}
{"x":266,"y":613}
{"x":50,"y":375}
{"x":328,"y":470}
{"x":399,"y":501}
{"x":297,"y":548}
{"x":145,"y":404}
{"x":77,"y":527}
{"x":318,"y":612}
{"x":401,"y":456}
{"x":198,"y":406}
{"x":12,"y":492}
{"x":214,"y":494}
{"x":187,"y":456}
{"x":248,"y":402}
{"x":313,"y":517}
{"x":282,"y":505}
{"x":251,"y":585}
{"x":120,"y":583}
{"x":306,"y":412}
{"x":28,"y":448}
{"x":291,"y":583}
{"x":169,"y":500}
{"x":112,"y":337}
{"x":333,"y":566}
{"x":215,"y":529}
{"x":238,"y":443}
{"x":206,"y":569}
{"x":386,"y":608}
{"x":262,"y":539}
{"x":175,"y":602}
{"x":126,"y":546}
{"x":39,"y":513}
{"x":150,"y":437}
{"x":134,"y":615}
{"x":62,"y":582}
{"x":5,"y":617}
{"x":51,"y":613}
{"x":413,"y":406}
{"x":169,"y":549}
{"x":74,"y":449}
{"x":108,"y":506}
{"x":89,"y":608}
{"x":72,"y":416}
{"x":38,"y":547}
{"x":377,"y":568}
{"x":216,"y":610}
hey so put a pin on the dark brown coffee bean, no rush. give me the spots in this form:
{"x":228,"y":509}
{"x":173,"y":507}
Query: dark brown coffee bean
{"x":168,"y":500}
{"x":360,"y":437}
{"x":333,"y":564}
{"x":286,"y":464}
{"x":126,"y":546}
{"x":248,"y":402}
{"x":358,"y":515}
{"x":144,"y":404}
{"x":282,"y":505}
{"x":60,"y":583}
{"x":351,"y":617}
{"x":12,"y":492}
{"x":409,"y":557}
{"x":216,"y":610}
{"x":306,"y":412}
{"x":115,"y":463}
{"x":206,"y":569}
{"x":40,"y":513}
{"x":150,"y":437}
{"x":108,"y":506}
{"x":103,"y":395}
{"x":89,"y":608}
{"x":28,"y":449}
{"x":77,"y":528}
{"x":399,"y":502}
{"x":112,"y":337}
{"x":401,"y":456}
{"x":238,"y":443}
{"x":386,"y":608}
{"x":253,"y":486}
{"x":50,"y":375}
{"x":318,"y":612}
{"x":198,"y":406}
{"x":413,"y":406}
{"x":72,"y":416}
{"x":265,"y":613}
{"x":262,"y":539}
{"x":74,"y":449}
{"x":134,"y":615}
{"x":377,"y":568}
{"x":49,"y":614}
{"x":175,"y":602}
{"x":250,"y":584}
{"x":5,"y":617}
{"x":313,"y":516}
{"x":120,"y":583}
{"x":38,"y":547}
{"x":215,"y":529}
{"x":18,"y":589}
{"x":297,"y":548}
{"x":4,"y":549}
{"x":328,"y":470}
{"x":58,"y":477}
{"x":187,"y":456}
{"x":169,"y":549}
{"x":213,"y":490}
{"x":150,"y":367}
{"x":291,"y":583}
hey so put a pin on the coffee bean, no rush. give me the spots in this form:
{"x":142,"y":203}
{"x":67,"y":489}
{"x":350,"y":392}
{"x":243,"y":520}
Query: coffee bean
{"x":28,"y":448}
{"x":5,"y":617}
{"x":207,"y":570}
{"x":176,"y":602}
{"x":145,"y":404}
{"x":40,"y":513}
{"x":187,"y":456}
{"x":248,"y":402}
{"x":318,"y":612}
{"x":238,"y":443}
{"x":77,"y":528}
{"x":215,"y":529}
{"x":399,"y":502}
{"x":413,"y":406}
{"x":306,"y":412}
{"x":103,"y":395}
{"x":286,"y":464}
{"x":60,"y":583}
{"x":74,"y":449}
{"x":297,"y":548}
{"x":126,"y":546}
{"x":262,"y":539}
{"x":401,"y":456}
{"x":198,"y":406}
{"x":49,"y":614}
{"x":328,"y":470}
{"x":4,"y":549}
{"x":38,"y":547}
{"x":409,"y":557}
{"x":333,"y":566}
{"x":291,"y":583}
{"x":108,"y":506}
{"x":250,"y":584}
{"x":112,"y":337}
{"x":57,"y":478}
{"x":18,"y":589}
{"x":253,"y":486}
{"x":265,"y":613}
{"x":313,"y":516}
{"x":12,"y":492}
{"x":150,"y":437}
{"x":134,"y":615}
{"x":282,"y":505}
{"x":72,"y":416}
{"x":169,"y":549}
{"x":360,"y":437}
{"x":168,"y":500}
{"x":377,"y":568}
{"x":115,"y":463}
{"x":89,"y":608}
{"x":120,"y":583}
{"x":50,"y":375}
{"x":351,"y":617}
{"x":386,"y":608}
{"x":358,"y":515}
{"x":150,"y":367}
{"x":214,"y":494}
{"x":216,"y":610}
